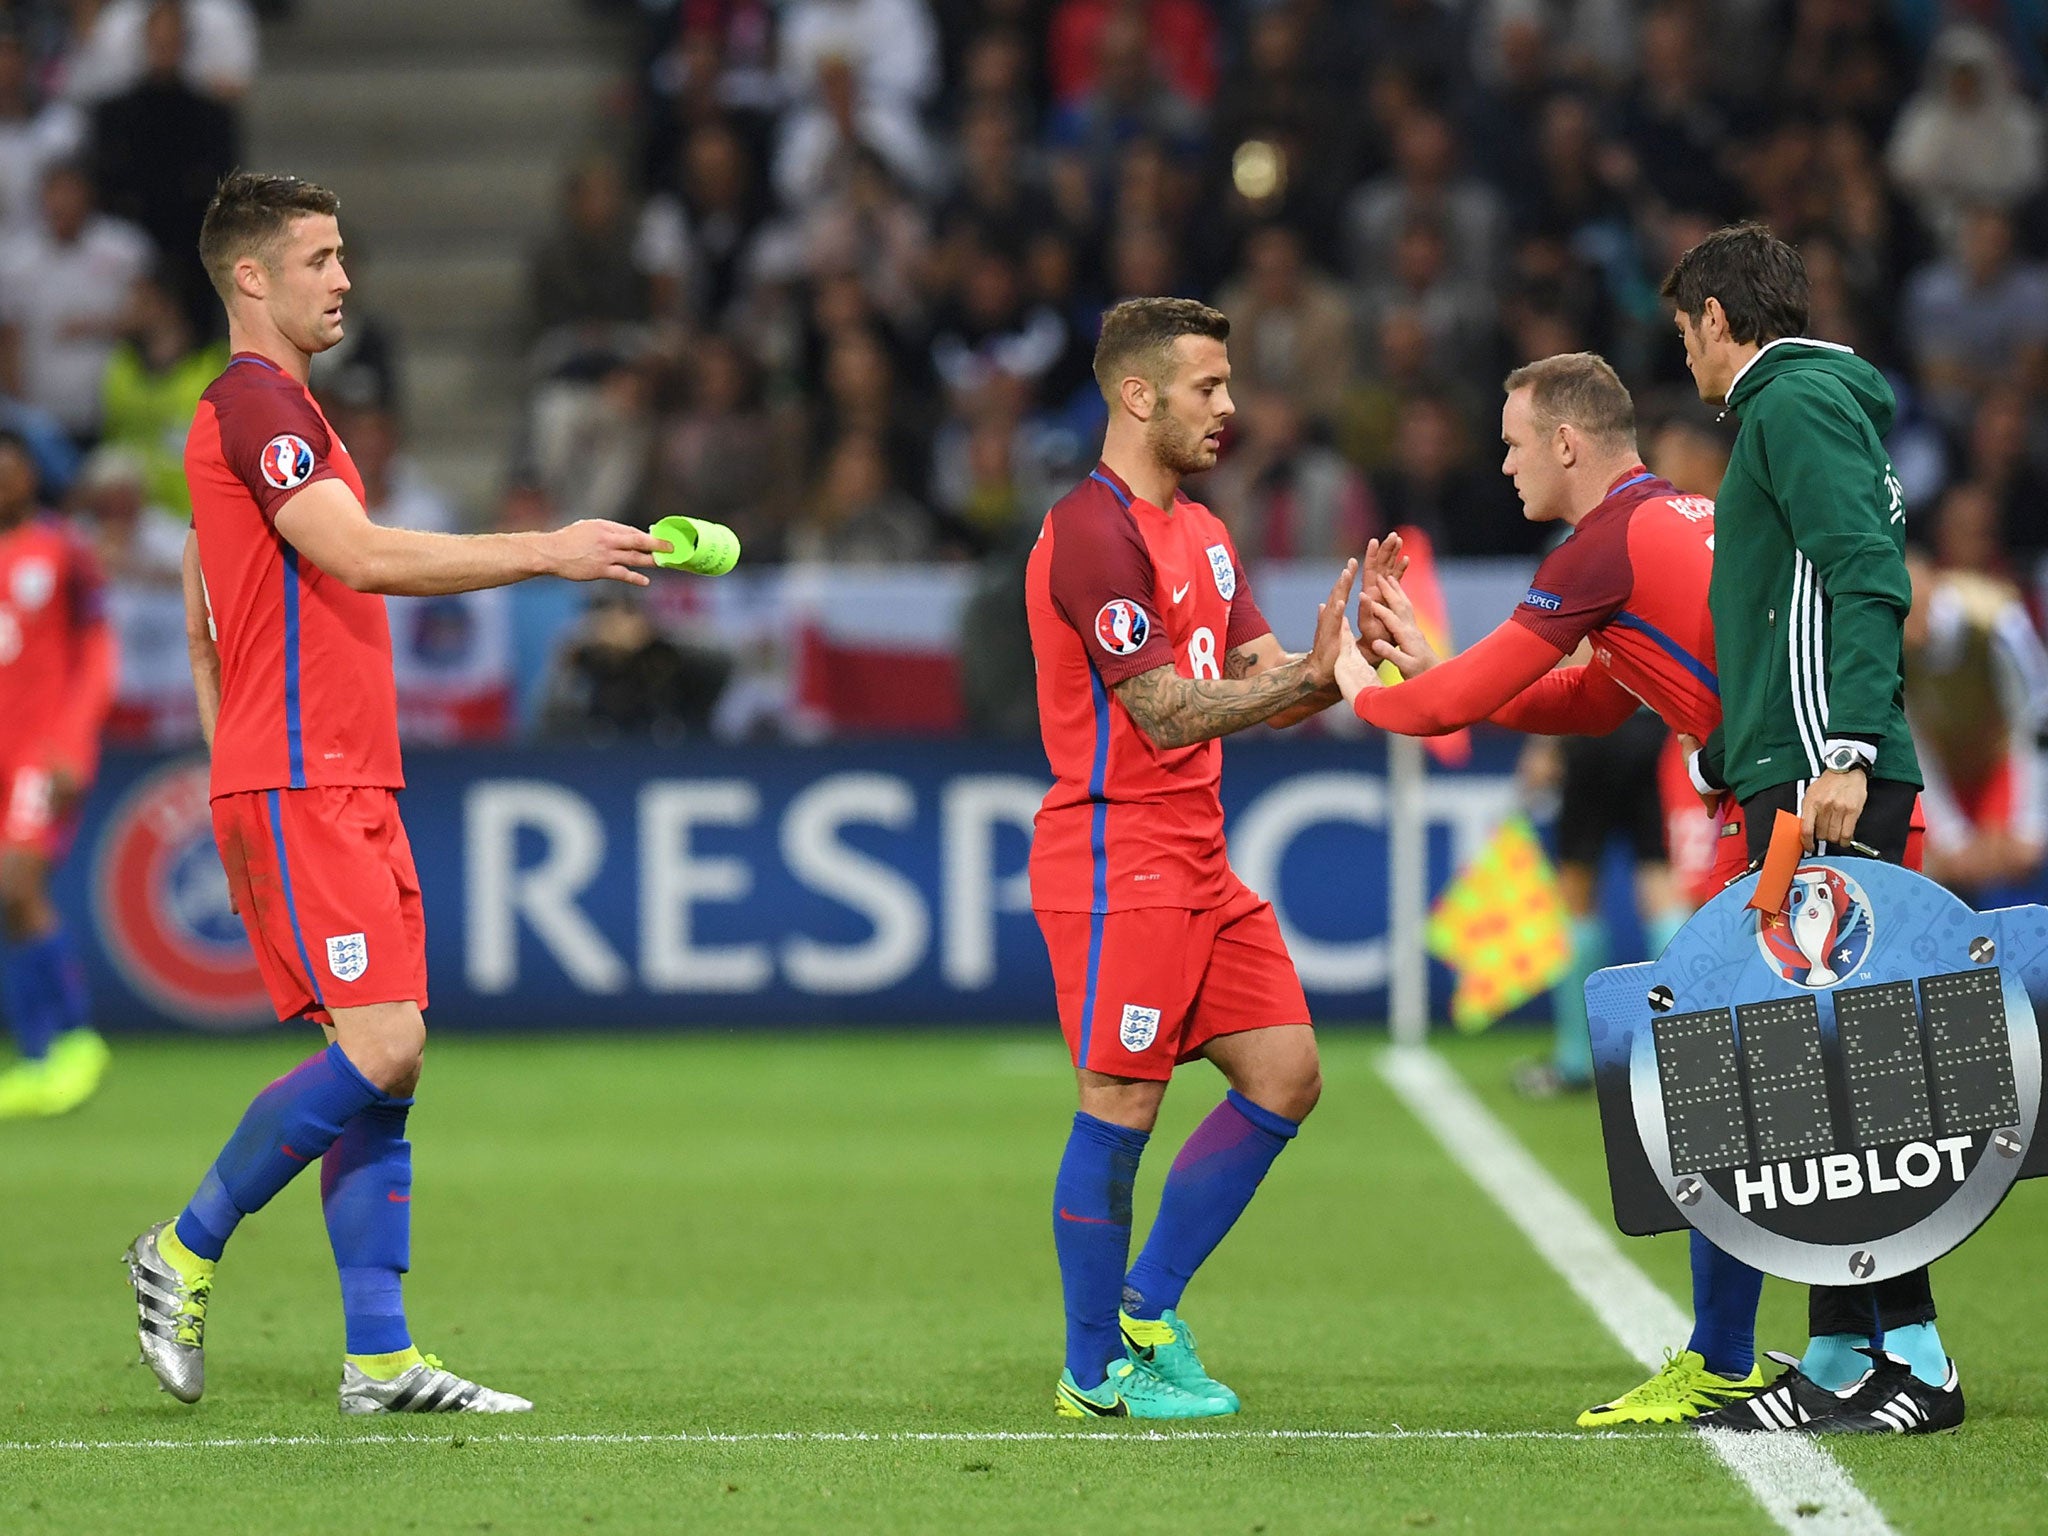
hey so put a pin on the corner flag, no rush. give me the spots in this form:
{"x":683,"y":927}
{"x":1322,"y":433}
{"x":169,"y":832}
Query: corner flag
{"x":1501,"y":925}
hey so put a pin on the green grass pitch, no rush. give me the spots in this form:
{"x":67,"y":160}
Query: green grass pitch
{"x":849,"y":1236}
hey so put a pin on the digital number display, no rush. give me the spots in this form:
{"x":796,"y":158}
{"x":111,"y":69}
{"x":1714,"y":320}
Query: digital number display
{"x":1885,"y":1063}
{"x":1971,"y":1051}
{"x":1787,"y":1078}
{"x":1702,"y":1091}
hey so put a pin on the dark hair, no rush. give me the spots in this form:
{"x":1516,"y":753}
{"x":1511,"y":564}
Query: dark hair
{"x":250,"y":213}
{"x":1759,"y":280}
{"x":1138,"y":337}
{"x":1581,"y":388}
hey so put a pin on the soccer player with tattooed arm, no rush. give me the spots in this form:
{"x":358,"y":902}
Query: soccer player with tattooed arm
{"x":1150,"y":647}
{"x":291,"y":658}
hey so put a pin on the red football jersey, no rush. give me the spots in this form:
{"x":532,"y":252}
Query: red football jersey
{"x":307,"y":693}
{"x":50,"y":601}
{"x":1116,"y":587}
{"x":1633,"y":576}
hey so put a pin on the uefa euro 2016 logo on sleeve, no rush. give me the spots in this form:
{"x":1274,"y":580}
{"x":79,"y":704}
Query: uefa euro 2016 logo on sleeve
{"x":287,"y":461}
{"x":1121,"y":627}
{"x":1825,"y":931}
{"x":164,"y":910}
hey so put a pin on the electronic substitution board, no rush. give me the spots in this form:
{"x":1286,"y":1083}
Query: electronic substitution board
{"x":1840,"y":1092}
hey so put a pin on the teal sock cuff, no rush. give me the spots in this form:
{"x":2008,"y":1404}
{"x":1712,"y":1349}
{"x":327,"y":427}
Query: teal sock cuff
{"x":1833,"y":1360}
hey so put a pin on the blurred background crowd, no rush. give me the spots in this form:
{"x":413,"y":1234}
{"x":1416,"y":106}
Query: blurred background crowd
{"x":830,"y":271}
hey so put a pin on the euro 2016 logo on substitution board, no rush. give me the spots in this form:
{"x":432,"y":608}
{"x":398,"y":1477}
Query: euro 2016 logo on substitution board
{"x":164,"y":910}
{"x":1825,"y":931}
{"x":1835,"y":1081}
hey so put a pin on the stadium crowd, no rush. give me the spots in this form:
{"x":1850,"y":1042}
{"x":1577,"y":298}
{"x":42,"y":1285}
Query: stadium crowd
{"x":834,"y":278}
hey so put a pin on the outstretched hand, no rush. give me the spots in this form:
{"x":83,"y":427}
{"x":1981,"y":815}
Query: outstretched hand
{"x":1383,"y":558}
{"x":1400,"y":637}
{"x":1332,"y":633}
{"x":595,"y":550}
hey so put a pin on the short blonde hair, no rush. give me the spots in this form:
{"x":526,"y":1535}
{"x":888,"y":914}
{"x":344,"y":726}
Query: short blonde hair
{"x":1580,"y":388}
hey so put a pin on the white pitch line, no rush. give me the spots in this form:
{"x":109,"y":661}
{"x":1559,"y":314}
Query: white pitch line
{"x":830,"y":1437}
{"x":1800,"y":1485}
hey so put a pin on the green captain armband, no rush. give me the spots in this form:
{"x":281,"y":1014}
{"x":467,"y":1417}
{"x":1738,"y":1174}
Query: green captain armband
{"x":709,"y":549}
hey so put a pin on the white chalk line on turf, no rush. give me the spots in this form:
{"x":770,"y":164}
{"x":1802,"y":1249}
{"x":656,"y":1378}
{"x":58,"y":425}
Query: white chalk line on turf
{"x":1800,"y":1485}
{"x":827,"y":1437}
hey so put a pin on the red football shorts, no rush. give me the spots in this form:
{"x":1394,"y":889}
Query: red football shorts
{"x":325,"y":883}
{"x":1141,"y":991}
{"x":27,"y":817}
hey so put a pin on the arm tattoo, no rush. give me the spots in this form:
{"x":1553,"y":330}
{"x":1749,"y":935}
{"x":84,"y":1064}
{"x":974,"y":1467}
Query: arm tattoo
{"x":1239,"y":663}
{"x":1178,"y":711}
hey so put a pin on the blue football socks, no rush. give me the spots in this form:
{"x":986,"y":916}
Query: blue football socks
{"x":366,"y":1196}
{"x":285,"y":1127}
{"x":1212,"y":1181}
{"x":1725,"y":1292}
{"x":1091,"y":1231}
{"x":44,"y":988}
{"x":1572,"y":1055}
{"x":1833,"y":1360}
{"x":1920,"y":1346}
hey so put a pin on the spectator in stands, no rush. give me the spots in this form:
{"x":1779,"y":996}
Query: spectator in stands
{"x":1967,"y":139}
{"x":1181,"y":35}
{"x":152,"y":387}
{"x":139,"y":540}
{"x":870,"y":227}
{"x":849,"y":92}
{"x":1674,"y":128}
{"x":592,"y":437}
{"x":861,"y":395}
{"x":1966,"y":532}
{"x":1290,"y":326}
{"x":1285,"y":495}
{"x":1438,"y":484}
{"x":1420,"y":38}
{"x":159,"y":150}
{"x":1977,"y":318}
{"x":1426,"y":186}
{"x":708,"y":61}
{"x":588,"y":273}
{"x":34,"y":135}
{"x":2003,"y":461}
{"x":396,"y":492}
{"x":857,"y":515}
{"x":1457,"y":313}
{"x":1977,"y":700}
{"x":618,"y":678}
{"x":993,"y":202}
{"x":64,"y":299}
{"x":1593,"y":40}
{"x":721,"y":456}
{"x":1131,"y":98}
{"x":1846,"y":60}
{"x":701,"y":238}
{"x":109,"y":49}
{"x":991,"y":338}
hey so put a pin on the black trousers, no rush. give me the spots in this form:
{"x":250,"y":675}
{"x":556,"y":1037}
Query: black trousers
{"x":1884,"y":825}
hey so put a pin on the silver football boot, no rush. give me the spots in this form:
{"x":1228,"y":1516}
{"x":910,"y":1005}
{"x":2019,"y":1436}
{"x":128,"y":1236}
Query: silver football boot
{"x":425,"y":1388}
{"x":170,"y":1317}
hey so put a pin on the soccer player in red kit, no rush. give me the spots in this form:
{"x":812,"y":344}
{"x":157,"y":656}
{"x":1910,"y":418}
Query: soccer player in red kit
{"x":1630,"y":581}
{"x":56,"y":682}
{"x":292,"y":662}
{"x":1149,"y":647}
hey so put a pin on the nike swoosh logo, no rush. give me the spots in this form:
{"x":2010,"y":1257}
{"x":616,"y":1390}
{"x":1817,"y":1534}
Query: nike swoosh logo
{"x":1093,"y":1221}
{"x":1183,"y":591}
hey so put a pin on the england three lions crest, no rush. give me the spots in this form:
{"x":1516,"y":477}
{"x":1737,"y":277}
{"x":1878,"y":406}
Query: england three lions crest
{"x":1226,"y":573}
{"x":348,"y":956}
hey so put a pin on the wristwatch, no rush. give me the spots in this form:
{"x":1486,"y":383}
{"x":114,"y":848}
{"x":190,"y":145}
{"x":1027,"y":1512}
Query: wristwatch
{"x":1843,"y":758}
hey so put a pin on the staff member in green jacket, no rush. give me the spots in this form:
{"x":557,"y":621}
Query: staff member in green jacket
{"x":1809,"y":599}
